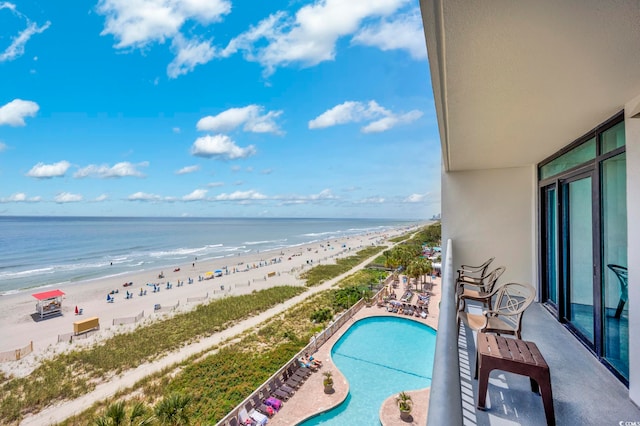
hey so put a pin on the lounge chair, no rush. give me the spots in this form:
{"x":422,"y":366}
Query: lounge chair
{"x":511,"y":300}
{"x":233,"y":421}
{"x":260,"y":418}
{"x":262,"y":407}
{"x":276,"y":392}
{"x":245,"y":419}
{"x":288,"y":389}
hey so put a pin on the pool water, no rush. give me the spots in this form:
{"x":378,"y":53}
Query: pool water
{"x":380,"y":357}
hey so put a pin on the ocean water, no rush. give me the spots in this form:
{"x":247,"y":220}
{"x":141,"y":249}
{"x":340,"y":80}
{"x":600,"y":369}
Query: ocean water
{"x":46,"y":251}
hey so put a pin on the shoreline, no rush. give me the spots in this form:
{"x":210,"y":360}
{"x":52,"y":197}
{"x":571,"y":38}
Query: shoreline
{"x":17,"y":311}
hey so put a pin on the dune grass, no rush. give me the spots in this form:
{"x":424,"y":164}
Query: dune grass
{"x":322,"y":273}
{"x":72,"y":374}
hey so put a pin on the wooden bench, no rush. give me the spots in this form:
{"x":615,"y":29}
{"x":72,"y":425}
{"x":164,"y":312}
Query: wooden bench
{"x":514,"y":356}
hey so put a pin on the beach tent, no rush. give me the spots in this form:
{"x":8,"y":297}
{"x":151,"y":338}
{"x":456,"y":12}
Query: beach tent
{"x":49,"y":302}
{"x":218,"y":272}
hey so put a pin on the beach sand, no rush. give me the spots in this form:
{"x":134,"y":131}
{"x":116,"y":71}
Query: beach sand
{"x":20,"y":324}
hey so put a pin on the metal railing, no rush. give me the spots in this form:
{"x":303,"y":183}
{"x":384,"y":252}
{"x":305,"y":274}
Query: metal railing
{"x":445,"y":398}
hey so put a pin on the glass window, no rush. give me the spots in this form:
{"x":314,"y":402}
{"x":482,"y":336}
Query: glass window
{"x":613,"y":138}
{"x":614,"y":263}
{"x":573,"y":158}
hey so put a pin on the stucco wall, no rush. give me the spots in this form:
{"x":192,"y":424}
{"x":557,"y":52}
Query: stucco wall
{"x":632,"y":128}
{"x":492,"y":213}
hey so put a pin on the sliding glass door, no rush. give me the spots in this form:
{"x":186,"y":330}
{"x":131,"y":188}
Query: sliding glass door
{"x":583,"y":241}
{"x":578,"y":228}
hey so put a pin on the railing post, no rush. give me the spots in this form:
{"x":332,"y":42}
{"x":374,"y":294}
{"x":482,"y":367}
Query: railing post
{"x":445,"y":399}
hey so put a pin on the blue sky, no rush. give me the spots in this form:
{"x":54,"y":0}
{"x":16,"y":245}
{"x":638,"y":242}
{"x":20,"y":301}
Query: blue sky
{"x":216,"y":108}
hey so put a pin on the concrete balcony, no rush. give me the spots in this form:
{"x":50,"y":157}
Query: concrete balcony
{"x":584,"y":391}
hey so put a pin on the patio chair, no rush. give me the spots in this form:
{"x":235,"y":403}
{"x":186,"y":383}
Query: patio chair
{"x":481,"y":291}
{"x":623,"y":277}
{"x":474,"y":271}
{"x":511,"y":300}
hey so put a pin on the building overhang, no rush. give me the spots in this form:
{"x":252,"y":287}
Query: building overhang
{"x":514,"y":82}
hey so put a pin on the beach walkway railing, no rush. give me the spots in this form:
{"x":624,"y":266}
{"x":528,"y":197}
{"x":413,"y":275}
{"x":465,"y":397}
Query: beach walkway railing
{"x":128,"y":320}
{"x":70,"y":337}
{"x":16,"y":354}
{"x":160,"y":309}
{"x":197,"y":299}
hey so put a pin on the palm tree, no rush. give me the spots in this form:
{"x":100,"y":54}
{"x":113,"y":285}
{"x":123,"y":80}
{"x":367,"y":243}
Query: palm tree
{"x":173,"y":410}
{"x":116,"y":415}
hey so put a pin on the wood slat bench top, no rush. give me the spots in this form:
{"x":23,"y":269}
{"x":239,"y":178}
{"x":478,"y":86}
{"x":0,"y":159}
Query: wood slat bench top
{"x":515,"y":350}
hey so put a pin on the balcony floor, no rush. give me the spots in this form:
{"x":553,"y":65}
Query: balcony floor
{"x":584,"y":391}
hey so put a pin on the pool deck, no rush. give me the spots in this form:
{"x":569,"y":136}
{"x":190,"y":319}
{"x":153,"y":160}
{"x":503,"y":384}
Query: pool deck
{"x":310,"y":399}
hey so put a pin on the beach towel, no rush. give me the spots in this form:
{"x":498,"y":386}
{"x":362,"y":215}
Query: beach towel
{"x":258,"y":417}
{"x":273,"y":402}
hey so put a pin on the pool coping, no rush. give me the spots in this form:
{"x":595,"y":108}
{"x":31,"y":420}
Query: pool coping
{"x":310,"y":400}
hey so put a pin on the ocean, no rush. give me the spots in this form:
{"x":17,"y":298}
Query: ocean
{"x":46,"y":251}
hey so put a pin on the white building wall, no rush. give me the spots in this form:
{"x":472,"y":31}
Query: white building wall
{"x":492,"y":213}
{"x":632,"y":130}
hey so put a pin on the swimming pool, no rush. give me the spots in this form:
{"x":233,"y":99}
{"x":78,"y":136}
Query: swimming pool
{"x":380,"y":357}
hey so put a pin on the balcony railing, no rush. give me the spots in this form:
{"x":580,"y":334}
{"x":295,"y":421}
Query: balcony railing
{"x":445,"y":399}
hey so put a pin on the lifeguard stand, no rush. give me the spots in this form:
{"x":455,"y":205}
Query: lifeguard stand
{"x":49,"y":303}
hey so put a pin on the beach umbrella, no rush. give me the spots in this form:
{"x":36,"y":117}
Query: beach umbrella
{"x":209,"y":273}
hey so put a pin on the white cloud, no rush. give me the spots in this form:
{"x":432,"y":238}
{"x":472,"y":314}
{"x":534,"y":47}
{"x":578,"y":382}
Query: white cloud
{"x":241,"y":196}
{"x":387,"y":123}
{"x":20,"y":197}
{"x":100,"y":198}
{"x":215,"y":184}
{"x":221,"y":146}
{"x":325,"y":194}
{"x":143,"y":196}
{"x":348,"y":112}
{"x":188,"y":55}
{"x":266,"y":171}
{"x":14,"y":113}
{"x":198,"y":194}
{"x":371,"y":200}
{"x":46,"y":171}
{"x":251,"y":116}
{"x":354,"y":112}
{"x":402,"y":32}
{"x":176,"y":130}
{"x":3,"y":146}
{"x":16,"y":48}
{"x":310,"y":37}
{"x":415,"y":198}
{"x":141,"y":23}
{"x":188,"y":169}
{"x":118,"y":170}
{"x":67,"y":197}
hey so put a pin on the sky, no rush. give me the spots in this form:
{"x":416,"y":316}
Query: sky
{"x":217,"y":108}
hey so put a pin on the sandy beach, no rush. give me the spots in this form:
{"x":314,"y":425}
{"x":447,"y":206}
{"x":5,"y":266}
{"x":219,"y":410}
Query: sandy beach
{"x":246,"y":273}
